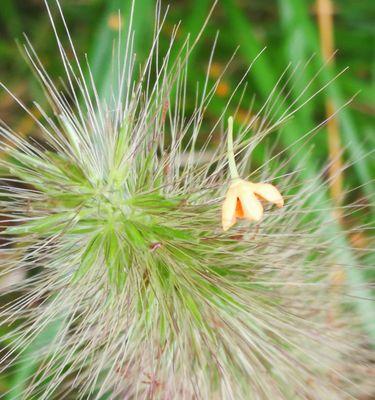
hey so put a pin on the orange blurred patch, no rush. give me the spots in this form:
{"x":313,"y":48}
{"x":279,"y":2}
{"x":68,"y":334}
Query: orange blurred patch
{"x":115,"y":22}
{"x":222,"y":89}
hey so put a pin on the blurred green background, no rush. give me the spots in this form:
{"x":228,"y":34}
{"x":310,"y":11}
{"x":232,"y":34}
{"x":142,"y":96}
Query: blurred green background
{"x":289,"y":29}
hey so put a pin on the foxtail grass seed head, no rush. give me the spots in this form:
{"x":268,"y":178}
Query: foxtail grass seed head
{"x":130,"y":288}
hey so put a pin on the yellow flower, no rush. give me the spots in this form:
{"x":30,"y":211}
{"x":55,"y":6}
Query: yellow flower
{"x":243,"y":201}
{"x":243,"y":198}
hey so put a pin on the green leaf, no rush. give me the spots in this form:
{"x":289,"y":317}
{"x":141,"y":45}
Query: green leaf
{"x":68,"y":168}
{"x":136,"y":237}
{"x":49,"y":225}
{"x":192,"y":306}
{"x":155,"y":201}
{"x":167,"y":233}
{"x":29,"y":361}
{"x":104,"y":39}
{"x":301,"y":23}
{"x":116,"y":260}
{"x":89,"y":257}
{"x":10,"y":16}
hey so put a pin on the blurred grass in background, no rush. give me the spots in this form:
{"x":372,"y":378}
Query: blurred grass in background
{"x":289,"y":29}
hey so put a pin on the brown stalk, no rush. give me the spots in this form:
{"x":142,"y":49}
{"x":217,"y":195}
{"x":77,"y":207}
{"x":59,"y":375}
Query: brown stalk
{"x":325,"y":10}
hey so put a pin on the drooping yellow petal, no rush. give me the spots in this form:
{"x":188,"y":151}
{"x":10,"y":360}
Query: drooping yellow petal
{"x":268,"y":192}
{"x":243,"y":200}
{"x":228,"y":216}
{"x":251,"y":206}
